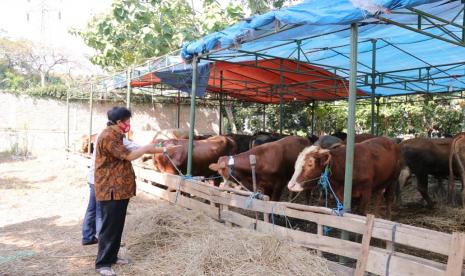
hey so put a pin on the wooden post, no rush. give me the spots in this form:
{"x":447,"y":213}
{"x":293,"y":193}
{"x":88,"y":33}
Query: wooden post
{"x":319,"y":232}
{"x":253,"y":162}
{"x":456,"y":254}
{"x":266,"y":216}
{"x":363,"y":259}
{"x":226,"y":208}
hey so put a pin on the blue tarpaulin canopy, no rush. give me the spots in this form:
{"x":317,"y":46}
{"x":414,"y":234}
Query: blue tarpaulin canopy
{"x":418,"y":45}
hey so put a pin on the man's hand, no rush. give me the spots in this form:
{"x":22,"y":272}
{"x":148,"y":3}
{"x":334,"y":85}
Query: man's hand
{"x":153,"y":149}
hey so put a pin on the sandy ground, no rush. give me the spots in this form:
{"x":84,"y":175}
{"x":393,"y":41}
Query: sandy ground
{"x":42,"y":204}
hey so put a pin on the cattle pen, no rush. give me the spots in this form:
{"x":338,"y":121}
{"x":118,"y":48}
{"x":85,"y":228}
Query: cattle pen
{"x":217,"y":203}
{"x":352,"y":51}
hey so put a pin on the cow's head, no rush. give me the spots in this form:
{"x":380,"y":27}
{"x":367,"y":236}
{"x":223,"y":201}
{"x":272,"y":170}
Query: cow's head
{"x":221,"y":167}
{"x":308,"y":168}
{"x":176,"y":160}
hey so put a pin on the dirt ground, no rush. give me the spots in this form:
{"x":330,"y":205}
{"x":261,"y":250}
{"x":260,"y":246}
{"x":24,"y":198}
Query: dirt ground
{"x":42,"y":204}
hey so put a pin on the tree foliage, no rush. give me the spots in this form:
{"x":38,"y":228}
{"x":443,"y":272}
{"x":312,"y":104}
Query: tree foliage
{"x":134,"y":30}
{"x":417,"y":115}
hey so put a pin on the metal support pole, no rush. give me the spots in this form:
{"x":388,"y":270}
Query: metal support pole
{"x":192,"y":115}
{"x":220,"y":125}
{"x":264,"y":118}
{"x":313,"y":118}
{"x":377,"y":116}
{"x":281,"y":111}
{"x":463,"y":23}
{"x":351,"y":116}
{"x":281,"y":108}
{"x":67,"y":120}
{"x":128,"y":93}
{"x":178,"y":111}
{"x":91,"y":105}
{"x":351,"y":121}
{"x":373,"y":85}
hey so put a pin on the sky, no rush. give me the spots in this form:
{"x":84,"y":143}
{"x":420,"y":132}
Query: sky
{"x":48,"y":21}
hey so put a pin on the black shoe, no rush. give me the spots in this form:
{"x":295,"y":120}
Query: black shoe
{"x":92,"y":241}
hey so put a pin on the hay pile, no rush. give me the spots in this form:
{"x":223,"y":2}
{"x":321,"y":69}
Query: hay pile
{"x":173,"y":241}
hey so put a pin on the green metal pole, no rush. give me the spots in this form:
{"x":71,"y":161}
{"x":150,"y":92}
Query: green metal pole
{"x":91,"y":105}
{"x":377,"y":116}
{"x":67,"y":120}
{"x":220,"y":126}
{"x":281,"y":107}
{"x":351,"y":116}
{"x":178,"y":111}
{"x":463,"y":24}
{"x":264,"y":118}
{"x":128,"y":93}
{"x":192,"y":115}
{"x":281,"y":113}
{"x":350,"y":122}
{"x":313,"y":117}
{"x":373,"y":85}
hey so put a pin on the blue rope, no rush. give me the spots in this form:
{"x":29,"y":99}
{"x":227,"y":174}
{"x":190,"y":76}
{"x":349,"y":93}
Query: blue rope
{"x":213,"y":177}
{"x":325,"y":184}
{"x":252,"y":196}
{"x":326,"y":230}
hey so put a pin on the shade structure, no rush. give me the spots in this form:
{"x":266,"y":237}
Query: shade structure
{"x":262,"y":81}
{"x":418,"y":44}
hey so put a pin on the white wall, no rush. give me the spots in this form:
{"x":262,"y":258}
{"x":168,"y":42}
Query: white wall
{"x":41,"y":123}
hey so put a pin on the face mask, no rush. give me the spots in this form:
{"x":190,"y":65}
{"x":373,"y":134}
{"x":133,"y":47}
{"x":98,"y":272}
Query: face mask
{"x":125,"y":127}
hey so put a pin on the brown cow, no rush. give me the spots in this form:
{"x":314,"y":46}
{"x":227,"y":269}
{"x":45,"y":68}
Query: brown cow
{"x":84,"y":142}
{"x":361,"y":137}
{"x":205,"y":152}
{"x":376,"y":167}
{"x":275,"y":165}
{"x":457,"y":162}
{"x":423,"y":157}
{"x":263,"y":137}
{"x":242,"y":141}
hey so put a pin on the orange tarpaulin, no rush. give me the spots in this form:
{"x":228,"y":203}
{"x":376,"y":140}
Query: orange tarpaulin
{"x":269,"y":81}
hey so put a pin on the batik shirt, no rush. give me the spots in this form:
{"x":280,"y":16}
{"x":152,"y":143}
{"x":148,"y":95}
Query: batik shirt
{"x":114,"y":176}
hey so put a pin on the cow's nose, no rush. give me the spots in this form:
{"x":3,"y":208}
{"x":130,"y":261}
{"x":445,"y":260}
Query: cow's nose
{"x":294,"y":186}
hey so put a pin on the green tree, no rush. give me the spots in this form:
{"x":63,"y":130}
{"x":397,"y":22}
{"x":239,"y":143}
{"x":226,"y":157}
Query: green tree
{"x":134,"y":30}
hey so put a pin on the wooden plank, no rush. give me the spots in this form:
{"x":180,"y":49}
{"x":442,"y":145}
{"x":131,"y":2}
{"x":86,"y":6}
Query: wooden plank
{"x":340,"y":270}
{"x":363,"y":259}
{"x":401,"y":264}
{"x":319,"y":232}
{"x":181,"y":200}
{"x":456,"y":254}
{"x":328,"y":244}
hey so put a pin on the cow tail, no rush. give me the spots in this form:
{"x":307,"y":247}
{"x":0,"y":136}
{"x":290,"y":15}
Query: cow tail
{"x":452,"y":155}
{"x":451,"y":167}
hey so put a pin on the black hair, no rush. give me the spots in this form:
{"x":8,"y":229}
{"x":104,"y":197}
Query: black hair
{"x":118,"y":113}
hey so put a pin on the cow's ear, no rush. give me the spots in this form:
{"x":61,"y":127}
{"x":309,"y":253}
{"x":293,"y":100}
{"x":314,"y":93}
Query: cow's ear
{"x":214,"y":167}
{"x":324,"y":157}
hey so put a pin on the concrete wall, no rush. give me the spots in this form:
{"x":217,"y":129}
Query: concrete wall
{"x":40,"y":124}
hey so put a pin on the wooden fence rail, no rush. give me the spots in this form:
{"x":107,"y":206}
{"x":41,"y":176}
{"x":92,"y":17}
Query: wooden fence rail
{"x":381,"y":261}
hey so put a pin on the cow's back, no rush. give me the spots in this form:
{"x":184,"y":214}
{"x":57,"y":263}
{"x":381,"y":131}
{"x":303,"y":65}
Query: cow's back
{"x":427,"y":156}
{"x":279,"y":157}
{"x":376,"y":159}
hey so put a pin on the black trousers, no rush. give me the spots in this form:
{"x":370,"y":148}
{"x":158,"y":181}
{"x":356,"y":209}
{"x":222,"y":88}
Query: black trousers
{"x":109,"y":240}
